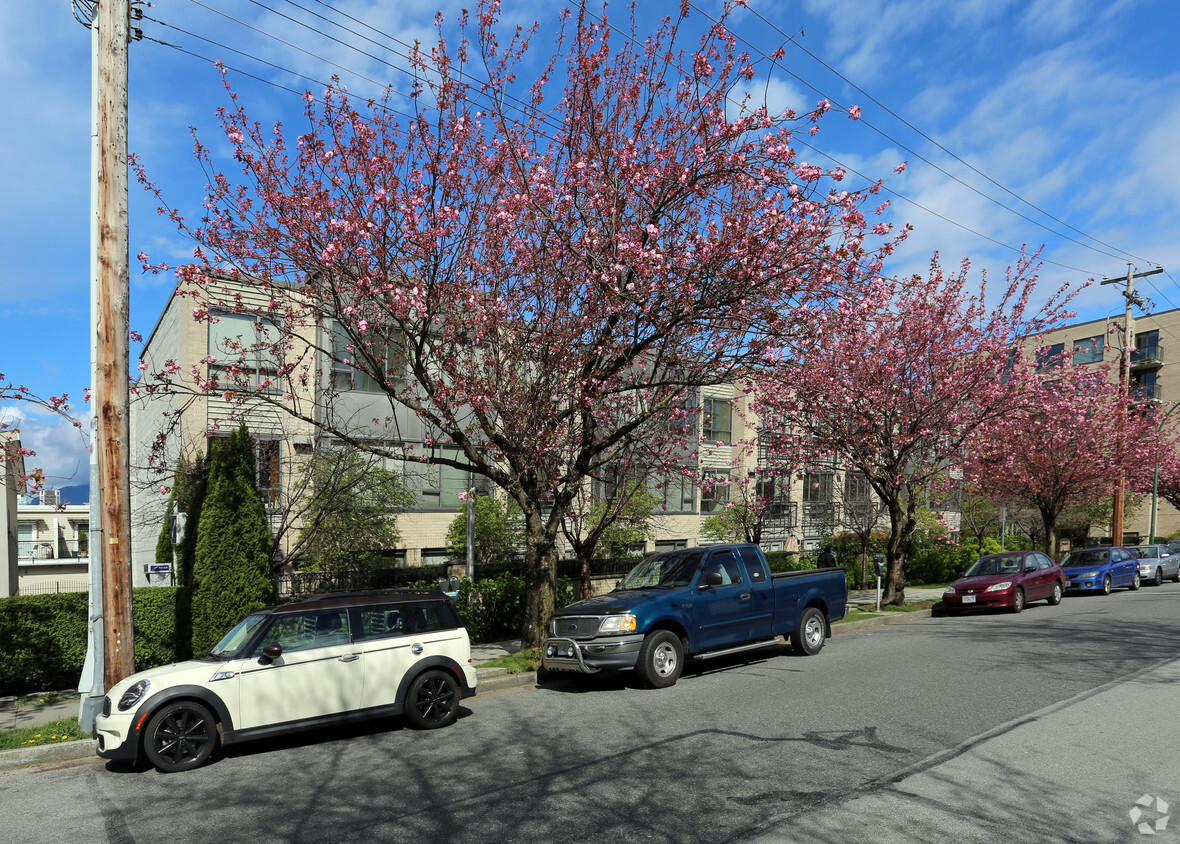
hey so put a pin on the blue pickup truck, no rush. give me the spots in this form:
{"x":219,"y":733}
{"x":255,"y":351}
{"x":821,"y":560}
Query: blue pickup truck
{"x":697,"y":602}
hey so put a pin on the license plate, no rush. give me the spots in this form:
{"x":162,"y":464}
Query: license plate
{"x":968,"y":599}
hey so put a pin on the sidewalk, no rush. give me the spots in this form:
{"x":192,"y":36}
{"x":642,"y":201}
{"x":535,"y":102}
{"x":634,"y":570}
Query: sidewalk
{"x":1100,"y":766}
{"x":862,"y":597}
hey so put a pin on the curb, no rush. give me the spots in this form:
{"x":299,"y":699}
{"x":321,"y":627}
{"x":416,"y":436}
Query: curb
{"x":494,"y":679}
{"x":880,"y":621}
{"x":26,"y":757}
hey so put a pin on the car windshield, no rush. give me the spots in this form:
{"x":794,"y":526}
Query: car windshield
{"x":232,"y":642}
{"x":1145,"y":551}
{"x":995,"y":564}
{"x":673,"y":568}
{"x":1087,"y":557}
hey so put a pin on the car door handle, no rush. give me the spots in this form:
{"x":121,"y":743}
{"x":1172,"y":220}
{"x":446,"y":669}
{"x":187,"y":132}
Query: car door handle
{"x":350,"y":657}
{"x":745,"y":596}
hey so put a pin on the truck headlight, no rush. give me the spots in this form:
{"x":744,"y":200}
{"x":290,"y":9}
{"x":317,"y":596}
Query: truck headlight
{"x":1000,"y":587}
{"x":617,"y":624}
{"x":133,"y":695}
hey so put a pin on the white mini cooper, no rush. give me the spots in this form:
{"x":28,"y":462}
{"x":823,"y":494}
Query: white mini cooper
{"x":325,"y":660}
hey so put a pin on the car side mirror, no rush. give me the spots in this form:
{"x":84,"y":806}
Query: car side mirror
{"x":270,"y":653}
{"x":713,"y":578}
{"x":1031,"y":567}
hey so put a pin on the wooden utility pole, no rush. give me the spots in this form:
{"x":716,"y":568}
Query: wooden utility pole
{"x":112,"y":343}
{"x":1120,"y":488}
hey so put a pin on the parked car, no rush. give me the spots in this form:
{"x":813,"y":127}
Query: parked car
{"x":1157,"y":563}
{"x":1173,"y":546}
{"x":1101,"y":569}
{"x":695,"y":602}
{"x":1009,"y":580}
{"x":324,"y":660}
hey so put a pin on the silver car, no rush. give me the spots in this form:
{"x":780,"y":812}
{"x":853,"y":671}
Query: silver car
{"x":1156,"y":563}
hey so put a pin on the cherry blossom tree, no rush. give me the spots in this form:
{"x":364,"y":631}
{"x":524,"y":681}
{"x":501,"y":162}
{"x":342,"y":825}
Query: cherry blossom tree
{"x":529,"y":274}
{"x":892,"y":384}
{"x":1063,"y":443}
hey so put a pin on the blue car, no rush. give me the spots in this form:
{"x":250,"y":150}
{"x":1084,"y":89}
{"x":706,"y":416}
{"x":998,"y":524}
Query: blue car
{"x":1100,"y":570}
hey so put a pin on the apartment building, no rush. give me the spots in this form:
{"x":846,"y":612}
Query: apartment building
{"x":805,"y":510}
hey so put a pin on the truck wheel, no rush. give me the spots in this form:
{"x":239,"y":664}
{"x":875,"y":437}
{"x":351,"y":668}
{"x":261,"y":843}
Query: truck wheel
{"x":661,"y":659}
{"x":808,"y":638}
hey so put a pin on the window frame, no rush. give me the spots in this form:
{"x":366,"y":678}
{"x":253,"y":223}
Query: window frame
{"x":255,"y":359}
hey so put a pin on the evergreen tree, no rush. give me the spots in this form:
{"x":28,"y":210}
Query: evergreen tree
{"x":231,"y":563}
{"x":188,"y":490}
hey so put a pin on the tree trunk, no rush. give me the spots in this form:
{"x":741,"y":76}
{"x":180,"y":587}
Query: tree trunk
{"x":587,"y":585}
{"x":540,"y":581}
{"x":901,"y":531}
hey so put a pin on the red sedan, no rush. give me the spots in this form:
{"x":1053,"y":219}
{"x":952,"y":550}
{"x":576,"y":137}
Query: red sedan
{"x":1007,"y":580}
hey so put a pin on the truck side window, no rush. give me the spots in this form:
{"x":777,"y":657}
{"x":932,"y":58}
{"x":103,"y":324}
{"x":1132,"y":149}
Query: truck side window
{"x":726,"y":563}
{"x":753,"y":564}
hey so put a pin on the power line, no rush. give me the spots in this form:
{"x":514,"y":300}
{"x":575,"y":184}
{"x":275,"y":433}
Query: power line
{"x":882,"y":133}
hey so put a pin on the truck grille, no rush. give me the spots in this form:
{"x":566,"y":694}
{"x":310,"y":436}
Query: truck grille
{"x":576,"y":626}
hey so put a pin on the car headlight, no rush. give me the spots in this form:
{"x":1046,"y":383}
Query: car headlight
{"x":1000,"y":587}
{"x":950,"y":590}
{"x":618,"y":624}
{"x":133,"y":695}
{"x":1089,"y":574}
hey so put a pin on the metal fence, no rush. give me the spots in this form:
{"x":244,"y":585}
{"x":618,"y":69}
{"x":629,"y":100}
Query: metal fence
{"x":54,"y":588}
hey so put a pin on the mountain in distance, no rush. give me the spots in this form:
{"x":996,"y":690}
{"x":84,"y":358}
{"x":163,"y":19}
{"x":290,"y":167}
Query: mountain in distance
{"x":76,"y":494}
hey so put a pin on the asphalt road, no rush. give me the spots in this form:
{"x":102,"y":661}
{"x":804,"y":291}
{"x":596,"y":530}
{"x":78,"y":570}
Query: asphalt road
{"x":972,"y":728}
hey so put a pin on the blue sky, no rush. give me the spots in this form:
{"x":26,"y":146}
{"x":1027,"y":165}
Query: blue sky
{"x":1041,"y":122}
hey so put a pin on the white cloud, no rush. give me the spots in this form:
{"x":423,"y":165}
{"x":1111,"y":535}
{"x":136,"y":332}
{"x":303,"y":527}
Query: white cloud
{"x":60,"y":447}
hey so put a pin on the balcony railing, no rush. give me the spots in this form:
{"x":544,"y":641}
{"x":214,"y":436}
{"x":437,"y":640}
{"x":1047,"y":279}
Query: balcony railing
{"x":1147,"y":357}
{"x":780,"y":519}
{"x":818,"y":517}
{"x":38,"y":550}
{"x":1146,"y":392}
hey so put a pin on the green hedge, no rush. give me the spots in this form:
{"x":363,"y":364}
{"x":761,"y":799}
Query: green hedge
{"x":43,"y":637}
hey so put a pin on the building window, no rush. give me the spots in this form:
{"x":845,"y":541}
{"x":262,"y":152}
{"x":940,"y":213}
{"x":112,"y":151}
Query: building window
{"x":714,"y":491}
{"x":1147,"y":346}
{"x":1050,"y":357}
{"x":269,"y":472}
{"x":1089,"y":350}
{"x":818,"y":487}
{"x":247,"y":351}
{"x":442,"y":485}
{"x":351,"y":370}
{"x":1145,"y":385}
{"x":717,"y":421}
{"x":677,"y":495}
